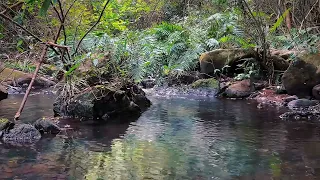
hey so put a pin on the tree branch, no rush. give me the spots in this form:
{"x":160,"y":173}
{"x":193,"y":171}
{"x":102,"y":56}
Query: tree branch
{"x":95,"y":24}
{"x":20,"y":26}
{"x":43,"y":55}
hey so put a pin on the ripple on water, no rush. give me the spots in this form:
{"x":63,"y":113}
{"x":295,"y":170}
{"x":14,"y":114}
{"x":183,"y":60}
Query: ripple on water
{"x":177,"y":138}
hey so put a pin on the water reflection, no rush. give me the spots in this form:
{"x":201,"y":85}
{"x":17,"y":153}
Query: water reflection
{"x":174,"y":139}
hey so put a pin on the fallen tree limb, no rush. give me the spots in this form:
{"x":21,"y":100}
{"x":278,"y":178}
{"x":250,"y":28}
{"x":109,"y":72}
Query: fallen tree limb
{"x":24,"y":100}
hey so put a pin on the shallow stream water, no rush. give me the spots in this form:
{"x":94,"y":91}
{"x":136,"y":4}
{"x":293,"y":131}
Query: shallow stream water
{"x":176,"y":138}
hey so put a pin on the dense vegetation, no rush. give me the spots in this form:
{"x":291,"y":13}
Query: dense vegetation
{"x":137,"y":39}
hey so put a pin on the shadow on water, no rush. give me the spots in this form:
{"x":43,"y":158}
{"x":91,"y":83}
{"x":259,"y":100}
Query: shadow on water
{"x":178,"y":138}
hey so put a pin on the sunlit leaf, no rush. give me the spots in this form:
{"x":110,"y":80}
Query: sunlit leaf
{"x":279,"y":20}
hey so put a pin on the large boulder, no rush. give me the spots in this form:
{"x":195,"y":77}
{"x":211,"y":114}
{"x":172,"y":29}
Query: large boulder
{"x":3,"y":93}
{"x":21,"y":134}
{"x":302,"y":75}
{"x":239,"y":89}
{"x":18,"y":78}
{"x":103,"y":102}
{"x":219,"y":58}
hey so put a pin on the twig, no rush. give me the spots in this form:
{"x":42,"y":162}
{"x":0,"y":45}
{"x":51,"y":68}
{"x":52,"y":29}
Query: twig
{"x":95,"y":24}
{"x":11,"y":7}
{"x":26,"y":30}
{"x":308,"y":14}
{"x":20,"y":26}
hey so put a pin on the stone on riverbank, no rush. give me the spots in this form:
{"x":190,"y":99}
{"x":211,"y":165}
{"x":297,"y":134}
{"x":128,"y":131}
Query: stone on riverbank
{"x":105,"y":101}
{"x":239,"y":89}
{"x":18,"y":78}
{"x":219,"y":58}
{"x":302,"y":75}
{"x":21,"y":134}
{"x":301,"y":104}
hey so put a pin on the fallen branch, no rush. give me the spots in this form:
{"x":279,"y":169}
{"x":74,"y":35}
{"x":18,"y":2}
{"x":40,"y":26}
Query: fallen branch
{"x":24,"y":100}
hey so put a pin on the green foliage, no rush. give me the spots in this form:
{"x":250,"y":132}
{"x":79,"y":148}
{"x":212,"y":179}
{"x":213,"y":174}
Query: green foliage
{"x":251,"y":69}
{"x":301,"y":39}
{"x":25,"y":66}
{"x":45,"y":7}
{"x":279,"y":21}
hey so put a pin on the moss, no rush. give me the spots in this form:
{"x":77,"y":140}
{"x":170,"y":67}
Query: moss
{"x":205,"y":83}
{"x":311,"y":58}
{"x":8,"y":73}
{"x":3,"y":123}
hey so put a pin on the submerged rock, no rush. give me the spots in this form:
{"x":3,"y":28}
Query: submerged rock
{"x":239,"y":89}
{"x":300,"y":115}
{"x":103,"y":102}
{"x":44,"y":125}
{"x":21,"y":134}
{"x":302,"y":75}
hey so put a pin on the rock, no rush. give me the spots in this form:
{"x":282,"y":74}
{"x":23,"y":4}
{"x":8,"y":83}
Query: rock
{"x":260,"y":85}
{"x":148,"y":83}
{"x":239,"y":89}
{"x":3,"y":93}
{"x":182,"y":78}
{"x":44,"y":125}
{"x":279,"y":63}
{"x":269,"y":96}
{"x":15,"y":90}
{"x":285,"y":54}
{"x":206,"y":83}
{"x":316,"y":92}
{"x":301,"y":104}
{"x":19,"y":78}
{"x":21,"y":134}
{"x":219,"y":58}
{"x":103,"y":101}
{"x":5,"y":124}
{"x":39,"y":82}
{"x":302,"y":75}
{"x":290,"y":98}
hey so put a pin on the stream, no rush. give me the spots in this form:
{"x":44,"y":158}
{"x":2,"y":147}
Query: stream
{"x":176,"y":138}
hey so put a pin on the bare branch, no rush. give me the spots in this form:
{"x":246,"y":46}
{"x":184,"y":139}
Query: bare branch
{"x":20,"y":26}
{"x":43,"y":55}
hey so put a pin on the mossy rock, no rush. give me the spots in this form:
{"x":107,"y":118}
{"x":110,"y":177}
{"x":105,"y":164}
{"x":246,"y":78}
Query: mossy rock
{"x":302,"y":75}
{"x":3,"y":123}
{"x":206,"y":83}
